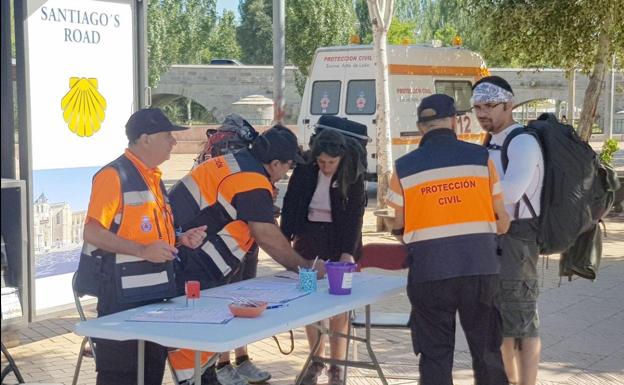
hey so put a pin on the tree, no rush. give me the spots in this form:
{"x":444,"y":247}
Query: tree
{"x":178,"y":31}
{"x":223,"y":43}
{"x":583,"y":34}
{"x":365,"y":29}
{"x":161,"y":41}
{"x":401,"y":32}
{"x":195,"y":24}
{"x":381,"y":16}
{"x":311,"y":24}
{"x":255,"y":33}
{"x":407,"y":10}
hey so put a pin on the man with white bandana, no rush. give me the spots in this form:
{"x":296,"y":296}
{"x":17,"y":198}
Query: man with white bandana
{"x":521,"y":181}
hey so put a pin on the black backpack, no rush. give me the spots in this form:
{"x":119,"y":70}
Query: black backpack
{"x":234,"y":134}
{"x":570,"y":169}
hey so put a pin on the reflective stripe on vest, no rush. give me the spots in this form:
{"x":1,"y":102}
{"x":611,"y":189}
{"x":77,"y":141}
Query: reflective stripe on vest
{"x":143,"y":221}
{"x":183,"y":362}
{"x":201,"y":193}
{"x":456,"y":199}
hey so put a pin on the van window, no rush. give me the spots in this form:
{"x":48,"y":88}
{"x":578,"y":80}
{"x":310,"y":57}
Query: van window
{"x":325,"y":97}
{"x":461,"y":91}
{"x":361,"y":98}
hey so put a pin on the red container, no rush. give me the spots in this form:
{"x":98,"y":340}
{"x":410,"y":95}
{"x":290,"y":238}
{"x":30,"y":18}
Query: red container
{"x":191,"y":288}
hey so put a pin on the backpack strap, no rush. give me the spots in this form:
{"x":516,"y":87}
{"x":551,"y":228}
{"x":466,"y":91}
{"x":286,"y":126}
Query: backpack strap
{"x":505,"y":160}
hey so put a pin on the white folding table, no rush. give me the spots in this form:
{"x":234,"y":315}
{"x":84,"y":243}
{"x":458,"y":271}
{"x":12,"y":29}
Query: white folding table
{"x":309,"y":309}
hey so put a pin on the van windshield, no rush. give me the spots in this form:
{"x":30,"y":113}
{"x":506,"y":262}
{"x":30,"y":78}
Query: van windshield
{"x":361,"y":98}
{"x":460,"y":90}
{"x":325,"y":97}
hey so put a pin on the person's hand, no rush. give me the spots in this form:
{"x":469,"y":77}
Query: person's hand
{"x":158,"y":252}
{"x":193,"y":238}
{"x":320,"y":269}
{"x":346,"y":257}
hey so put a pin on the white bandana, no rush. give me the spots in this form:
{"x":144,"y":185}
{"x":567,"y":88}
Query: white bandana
{"x":490,"y":93}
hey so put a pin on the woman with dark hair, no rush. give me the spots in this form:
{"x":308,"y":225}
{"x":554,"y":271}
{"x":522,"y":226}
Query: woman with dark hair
{"x":322,"y":214}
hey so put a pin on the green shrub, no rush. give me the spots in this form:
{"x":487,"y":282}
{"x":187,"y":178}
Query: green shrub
{"x":609,"y":147}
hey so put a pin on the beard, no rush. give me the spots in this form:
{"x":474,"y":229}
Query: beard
{"x":486,"y":124}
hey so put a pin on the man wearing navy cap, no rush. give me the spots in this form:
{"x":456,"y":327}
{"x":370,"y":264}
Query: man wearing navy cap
{"x":448,"y":209}
{"x":233,"y":195}
{"x":130,"y":243}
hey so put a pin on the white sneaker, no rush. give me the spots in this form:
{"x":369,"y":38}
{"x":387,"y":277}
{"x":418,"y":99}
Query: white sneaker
{"x":227,"y":375}
{"x":252,"y":373}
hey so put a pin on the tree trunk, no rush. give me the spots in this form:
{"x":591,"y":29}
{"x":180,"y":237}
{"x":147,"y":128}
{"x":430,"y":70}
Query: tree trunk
{"x":596,"y":83}
{"x":381,"y":17}
{"x":384,"y":148}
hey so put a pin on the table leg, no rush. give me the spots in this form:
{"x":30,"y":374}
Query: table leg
{"x":310,"y":356}
{"x":346,"y":367}
{"x":369,"y":348}
{"x":141,"y":364}
{"x":197,"y":367}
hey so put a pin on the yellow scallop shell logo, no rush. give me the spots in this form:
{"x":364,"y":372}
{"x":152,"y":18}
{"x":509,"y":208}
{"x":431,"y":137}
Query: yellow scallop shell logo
{"x":83,"y":106}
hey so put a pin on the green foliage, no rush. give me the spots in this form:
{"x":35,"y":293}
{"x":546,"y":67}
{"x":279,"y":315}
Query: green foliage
{"x":555,"y":33}
{"x":197,"y":18}
{"x":407,"y":10}
{"x":609,"y":147}
{"x":177,"y":111}
{"x":311,"y":24}
{"x":365,"y":28}
{"x":255,"y":33}
{"x":223,"y":43}
{"x":178,"y":32}
{"x":400,"y":31}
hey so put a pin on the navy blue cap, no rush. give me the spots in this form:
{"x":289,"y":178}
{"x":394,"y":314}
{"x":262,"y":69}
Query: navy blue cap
{"x":436,"y":106}
{"x":149,"y":121}
{"x":278,"y":142}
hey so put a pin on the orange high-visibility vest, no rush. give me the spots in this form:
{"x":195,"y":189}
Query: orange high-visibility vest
{"x":446,"y":188}
{"x":145,"y":217}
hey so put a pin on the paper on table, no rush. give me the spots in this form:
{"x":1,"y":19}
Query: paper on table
{"x":183,"y":315}
{"x":273,"y":290}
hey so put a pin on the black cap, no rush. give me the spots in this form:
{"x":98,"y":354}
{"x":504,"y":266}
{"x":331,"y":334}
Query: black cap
{"x":436,"y":106}
{"x":149,"y":121}
{"x":278,"y":142}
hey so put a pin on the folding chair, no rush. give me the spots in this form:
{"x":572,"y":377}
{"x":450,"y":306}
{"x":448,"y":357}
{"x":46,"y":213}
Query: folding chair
{"x":386,"y":256}
{"x":87,"y":348}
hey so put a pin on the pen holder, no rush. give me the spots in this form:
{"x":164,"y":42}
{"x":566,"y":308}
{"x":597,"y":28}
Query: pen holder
{"x":307,"y":280}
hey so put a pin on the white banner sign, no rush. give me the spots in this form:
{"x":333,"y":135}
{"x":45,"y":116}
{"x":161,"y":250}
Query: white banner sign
{"x":81,"y":81}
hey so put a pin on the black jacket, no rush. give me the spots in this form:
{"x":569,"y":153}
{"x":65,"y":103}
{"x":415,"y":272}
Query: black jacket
{"x":347,"y":213}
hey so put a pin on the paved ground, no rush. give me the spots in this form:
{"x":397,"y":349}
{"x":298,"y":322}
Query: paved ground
{"x":582,"y":331}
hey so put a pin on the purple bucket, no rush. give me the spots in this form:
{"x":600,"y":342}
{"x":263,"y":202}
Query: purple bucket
{"x":340,"y":277}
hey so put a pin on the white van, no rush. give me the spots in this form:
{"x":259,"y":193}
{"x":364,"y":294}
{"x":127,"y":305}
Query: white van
{"x":342,"y":82}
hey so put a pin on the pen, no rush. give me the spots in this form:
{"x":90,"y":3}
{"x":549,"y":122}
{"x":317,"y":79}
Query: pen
{"x":177,"y":258}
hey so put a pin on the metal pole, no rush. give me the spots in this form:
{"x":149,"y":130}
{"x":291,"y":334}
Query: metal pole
{"x":571,"y":96}
{"x":143,"y":99}
{"x":279,"y":57}
{"x":7,"y":122}
{"x":611,"y":100}
{"x":20,"y":13}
